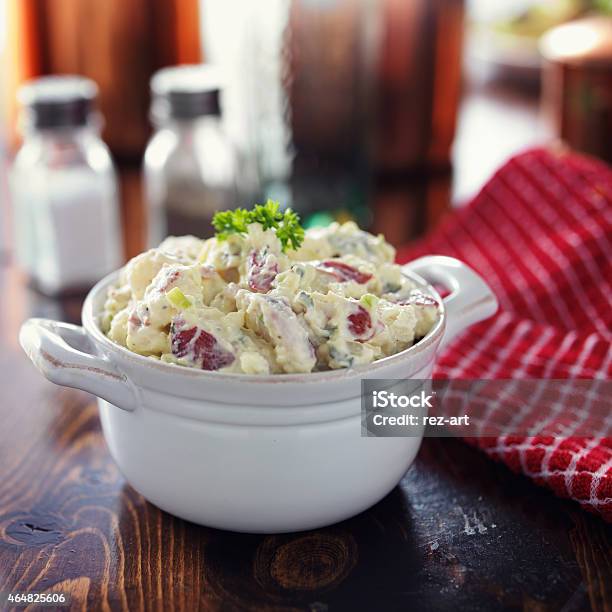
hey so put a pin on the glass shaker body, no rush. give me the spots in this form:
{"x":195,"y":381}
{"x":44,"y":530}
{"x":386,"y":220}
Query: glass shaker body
{"x":65,"y":199}
{"x":190,"y":172}
{"x":190,"y":165}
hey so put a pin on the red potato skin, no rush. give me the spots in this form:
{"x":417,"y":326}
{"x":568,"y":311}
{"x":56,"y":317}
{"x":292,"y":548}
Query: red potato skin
{"x":261,"y":274}
{"x":200,"y":347}
{"x":343,"y":272}
{"x":360,"y":324}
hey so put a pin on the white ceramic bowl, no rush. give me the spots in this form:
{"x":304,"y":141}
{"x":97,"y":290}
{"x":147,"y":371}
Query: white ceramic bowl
{"x":249,"y":453}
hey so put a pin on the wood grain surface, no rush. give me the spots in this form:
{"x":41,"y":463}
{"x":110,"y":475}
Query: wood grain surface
{"x":459,"y":533}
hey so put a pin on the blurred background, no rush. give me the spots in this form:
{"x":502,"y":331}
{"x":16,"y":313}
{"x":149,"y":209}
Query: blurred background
{"x":388,"y":112}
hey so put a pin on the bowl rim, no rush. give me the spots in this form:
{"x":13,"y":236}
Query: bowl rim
{"x":90,"y":320}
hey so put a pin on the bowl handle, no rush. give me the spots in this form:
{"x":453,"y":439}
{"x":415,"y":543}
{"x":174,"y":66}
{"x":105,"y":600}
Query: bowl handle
{"x":62,"y":353}
{"x":470,"y":299}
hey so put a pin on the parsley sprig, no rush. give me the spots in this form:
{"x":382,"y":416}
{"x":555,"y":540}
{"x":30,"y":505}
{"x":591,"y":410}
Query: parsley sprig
{"x":286,"y":224}
{"x":231,"y":222}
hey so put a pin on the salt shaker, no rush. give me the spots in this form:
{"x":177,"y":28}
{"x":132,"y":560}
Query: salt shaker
{"x":64,"y":188}
{"x":190,"y":165}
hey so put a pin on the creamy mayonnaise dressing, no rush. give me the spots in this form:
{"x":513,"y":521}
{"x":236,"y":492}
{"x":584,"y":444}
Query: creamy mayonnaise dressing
{"x":242,"y":305}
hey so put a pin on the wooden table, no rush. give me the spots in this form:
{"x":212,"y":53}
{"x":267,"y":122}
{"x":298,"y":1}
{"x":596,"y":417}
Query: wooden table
{"x":460,"y":532}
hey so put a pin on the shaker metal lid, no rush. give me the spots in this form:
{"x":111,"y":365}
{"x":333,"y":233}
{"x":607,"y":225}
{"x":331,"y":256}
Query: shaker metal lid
{"x":585,"y":41}
{"x":59,"y":100}
{"x":186,"y":92}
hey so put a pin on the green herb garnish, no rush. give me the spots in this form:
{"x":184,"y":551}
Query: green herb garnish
{"x":286,"y":224}
{"x":268,"y":215}
{"x":231,"y":222}
{"x":289,"y":231}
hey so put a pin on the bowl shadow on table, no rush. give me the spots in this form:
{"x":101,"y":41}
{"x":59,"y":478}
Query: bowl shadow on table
{"x":359,"y":560}
{"x":438,"y":536}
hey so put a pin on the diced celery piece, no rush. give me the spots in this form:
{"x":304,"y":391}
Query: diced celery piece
{"x":177,"y":298}
{"x":369,"y":300}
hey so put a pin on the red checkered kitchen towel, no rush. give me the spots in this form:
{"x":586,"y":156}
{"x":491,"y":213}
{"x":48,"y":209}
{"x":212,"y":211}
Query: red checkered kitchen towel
{"x":540,"y":233}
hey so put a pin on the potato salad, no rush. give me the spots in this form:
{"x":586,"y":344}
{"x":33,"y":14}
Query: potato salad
{"x":257,"y":301}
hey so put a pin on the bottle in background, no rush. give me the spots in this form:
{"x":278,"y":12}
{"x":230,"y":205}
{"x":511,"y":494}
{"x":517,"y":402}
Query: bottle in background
{"x":64,"y":188}
{"x":577,"y":84}
{"x":190,"y":166}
